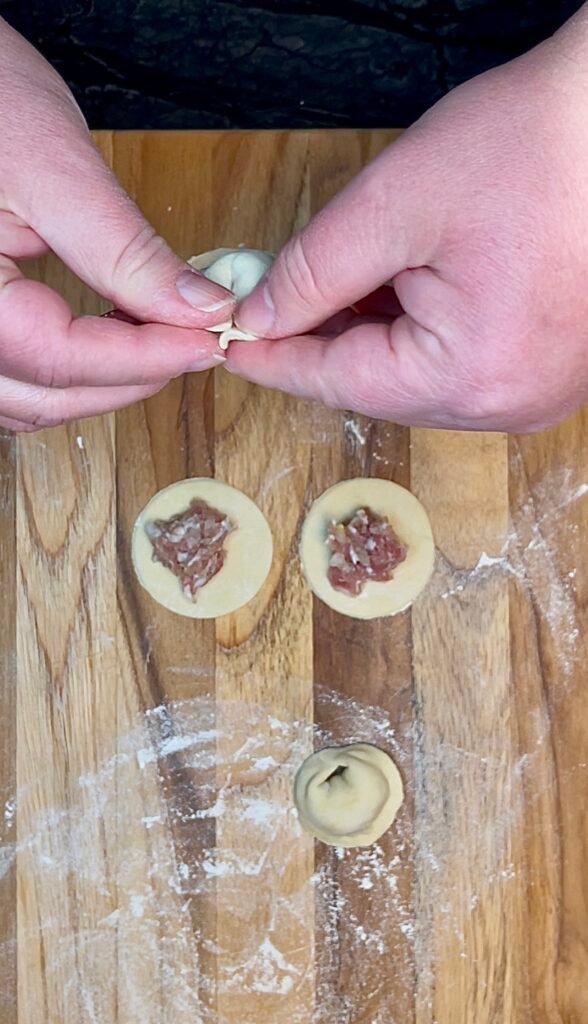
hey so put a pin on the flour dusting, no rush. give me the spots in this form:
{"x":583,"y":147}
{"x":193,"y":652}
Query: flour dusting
{"x":354,"y":435}
{"x":531,"y":557}
{"x":177,"y":874}
{"x":168,"y":828}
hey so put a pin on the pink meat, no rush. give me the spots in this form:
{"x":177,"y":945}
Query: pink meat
{"x":363,"y":548}
{"x":191,"y":544}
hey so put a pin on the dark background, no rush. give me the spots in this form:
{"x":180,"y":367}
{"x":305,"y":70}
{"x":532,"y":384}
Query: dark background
{"x":274,"y":63}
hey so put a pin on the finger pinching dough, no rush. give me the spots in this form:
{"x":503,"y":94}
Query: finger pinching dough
{"x":348,"y":796}
{"x":201,"y":548}
{"x":239,"y":270}
{"x":367,"y":548}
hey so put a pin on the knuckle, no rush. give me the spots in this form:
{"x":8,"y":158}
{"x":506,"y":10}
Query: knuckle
{"x":481,"y":383}
{"x":44,"y":420}
{"x":144,"y":247}
{"x":496,"y":398}
{"x":28,"y":428}
{"x":47,"y":374}
{"x":300,"y":274}
{"x":485,"y":407}
{"x":479,"y":400}
{"x":45,"y":409}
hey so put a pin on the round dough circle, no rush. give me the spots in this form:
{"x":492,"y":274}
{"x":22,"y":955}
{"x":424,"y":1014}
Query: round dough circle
{"x":348,"y":796}
{"x":248,"y":548}
{"x":410,"y":522}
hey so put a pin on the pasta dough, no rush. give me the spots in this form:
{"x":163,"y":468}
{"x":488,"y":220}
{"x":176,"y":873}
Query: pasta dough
{"x":409,"y":521}
{"x":239,"y":270}
{"x":248,"y":550}
{"x":348,"y":796}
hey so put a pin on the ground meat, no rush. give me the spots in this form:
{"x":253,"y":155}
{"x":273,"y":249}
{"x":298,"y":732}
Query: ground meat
{"x":191,"y":544}
{"x":362,"y":548}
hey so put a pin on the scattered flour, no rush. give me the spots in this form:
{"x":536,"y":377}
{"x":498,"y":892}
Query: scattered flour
{"x":275,"y":479}
{"x":531,"y":557}
{"x":353,"y":433}
{"x":150,"y":866}
{"x":140,"y":834}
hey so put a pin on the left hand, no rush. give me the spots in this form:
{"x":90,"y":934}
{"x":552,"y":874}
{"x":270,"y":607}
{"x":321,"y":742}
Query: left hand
{"x":57,"y":193}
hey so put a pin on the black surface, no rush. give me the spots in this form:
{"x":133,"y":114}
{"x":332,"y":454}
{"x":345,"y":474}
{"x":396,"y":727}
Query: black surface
{"x":274,"y":63}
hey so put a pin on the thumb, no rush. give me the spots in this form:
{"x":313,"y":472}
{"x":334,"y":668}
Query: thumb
{"x":379,"y":225}
{"x":85,"y":217}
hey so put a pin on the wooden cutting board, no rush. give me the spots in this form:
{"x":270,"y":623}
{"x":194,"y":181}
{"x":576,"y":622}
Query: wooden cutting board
{"x":152,"y":868}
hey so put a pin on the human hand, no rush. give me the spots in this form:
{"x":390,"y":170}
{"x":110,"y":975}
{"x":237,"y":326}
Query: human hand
{"x":479,"y":217}
{"x":56,"y":193}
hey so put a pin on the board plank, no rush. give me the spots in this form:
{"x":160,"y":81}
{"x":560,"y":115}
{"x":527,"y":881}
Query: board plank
{"x":8,"y":916}
{"x":466,"y":791}
{"x":151,"y":862}
{"x":359,"y":666}
{"x":549,"y":518}
{"x":173,"y":660}
{"x":65,"y":625}
{"x":264,"y":665}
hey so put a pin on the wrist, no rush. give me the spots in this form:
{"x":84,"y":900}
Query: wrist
{"x":568,"y":52}
{"x":573,"y":36}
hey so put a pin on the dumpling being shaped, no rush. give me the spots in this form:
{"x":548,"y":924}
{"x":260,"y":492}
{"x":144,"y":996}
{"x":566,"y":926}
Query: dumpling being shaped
{"x":239,"y":270}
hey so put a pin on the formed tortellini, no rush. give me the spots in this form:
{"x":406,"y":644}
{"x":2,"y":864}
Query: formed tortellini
{"x":348,"y":796}
{"x":239,"y":270}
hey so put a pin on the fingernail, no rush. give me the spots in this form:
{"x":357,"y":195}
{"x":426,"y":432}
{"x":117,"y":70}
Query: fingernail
{"x":257,"y":313}
{"x":204,"y":362}
{"x":202,"y":294}
{"x":119,"y":314}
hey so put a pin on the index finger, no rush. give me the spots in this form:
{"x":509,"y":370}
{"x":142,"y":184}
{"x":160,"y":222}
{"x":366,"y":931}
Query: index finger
{"x":41,"y":342}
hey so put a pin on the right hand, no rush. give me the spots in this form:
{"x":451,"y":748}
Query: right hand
{"x":478,"y":216}
{"x":56,"y":193}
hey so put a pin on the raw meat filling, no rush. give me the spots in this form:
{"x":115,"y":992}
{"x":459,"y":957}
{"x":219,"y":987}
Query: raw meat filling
{"x":363,"y":548}
{"x":191,"y":544}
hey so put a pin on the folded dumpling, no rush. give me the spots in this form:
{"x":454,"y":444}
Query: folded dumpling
{"x":239,"y":270}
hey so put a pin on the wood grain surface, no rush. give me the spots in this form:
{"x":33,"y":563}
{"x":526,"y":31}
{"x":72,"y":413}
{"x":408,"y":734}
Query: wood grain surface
{"x":151,"y":864}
